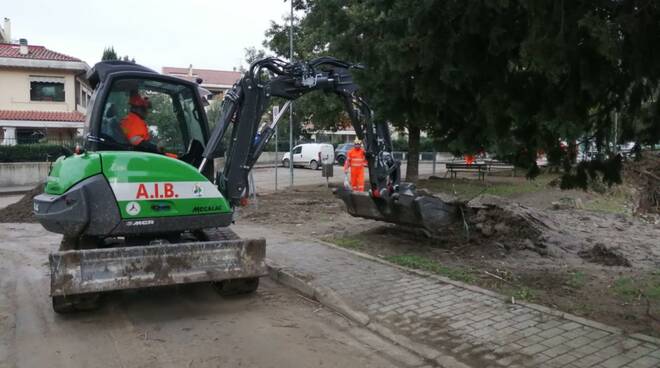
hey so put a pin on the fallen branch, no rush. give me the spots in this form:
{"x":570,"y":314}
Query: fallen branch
{"x":465,"y":224}
{"x":498,"y":277}
{"x":648,"y":310}
{"x":645,"y":172}
{"x":315,"y":302}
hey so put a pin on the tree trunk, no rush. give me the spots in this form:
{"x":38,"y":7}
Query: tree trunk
{"x":412,"y":171}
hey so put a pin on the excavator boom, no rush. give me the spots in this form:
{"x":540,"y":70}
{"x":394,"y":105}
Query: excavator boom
{"x":388,"y":199}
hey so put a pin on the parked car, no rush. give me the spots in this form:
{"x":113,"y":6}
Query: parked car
{"x":310,"y":155}
{"x":342,"y":151}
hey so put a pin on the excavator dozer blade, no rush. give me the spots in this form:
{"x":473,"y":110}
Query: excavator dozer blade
{"x":95,"y":270}
{"x":420,"y":211}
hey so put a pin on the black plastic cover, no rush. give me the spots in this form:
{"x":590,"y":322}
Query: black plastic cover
{"x":101,"y":70}
{"x":88,"y":207}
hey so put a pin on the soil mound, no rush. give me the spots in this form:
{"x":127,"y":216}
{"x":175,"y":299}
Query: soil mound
{"x":601,"y":254}
{"x":570,"y":235}
{"x":21,"y":211}
{"x":513,"y":225}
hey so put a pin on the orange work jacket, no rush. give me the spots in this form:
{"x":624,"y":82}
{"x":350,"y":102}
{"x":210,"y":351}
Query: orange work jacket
{"x":135,"y":129}
{"x":355,"y":159}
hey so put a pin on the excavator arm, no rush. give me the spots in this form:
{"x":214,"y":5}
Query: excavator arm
{"x":388,"y":198}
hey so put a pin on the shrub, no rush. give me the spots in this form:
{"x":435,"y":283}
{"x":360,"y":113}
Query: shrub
{"x":33,"y":152}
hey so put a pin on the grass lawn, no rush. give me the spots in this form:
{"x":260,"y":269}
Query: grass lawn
{"x":466,"y":189}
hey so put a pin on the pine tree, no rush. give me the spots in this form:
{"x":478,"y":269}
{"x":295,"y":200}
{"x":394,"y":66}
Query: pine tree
{"x":109,"y":54}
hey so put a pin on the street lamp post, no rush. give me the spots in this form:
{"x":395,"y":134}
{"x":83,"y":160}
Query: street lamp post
{"x":291,"y":106}
{"x":276,"y":112}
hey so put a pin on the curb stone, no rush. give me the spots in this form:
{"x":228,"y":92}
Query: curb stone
{"x":536,"y":307}
{"x":331,"y":300}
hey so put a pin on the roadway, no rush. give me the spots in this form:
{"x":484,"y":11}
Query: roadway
{"x":265,"y":176}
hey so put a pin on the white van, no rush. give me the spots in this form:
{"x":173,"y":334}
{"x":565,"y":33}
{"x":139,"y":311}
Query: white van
{"x":310,"y":155}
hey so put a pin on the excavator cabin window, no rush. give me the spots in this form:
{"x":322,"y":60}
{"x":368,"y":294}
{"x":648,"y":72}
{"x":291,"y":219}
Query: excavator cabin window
{"x":172,"y":117}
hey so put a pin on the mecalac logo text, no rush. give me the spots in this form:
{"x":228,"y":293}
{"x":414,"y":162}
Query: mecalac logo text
{"x":198,"y":209}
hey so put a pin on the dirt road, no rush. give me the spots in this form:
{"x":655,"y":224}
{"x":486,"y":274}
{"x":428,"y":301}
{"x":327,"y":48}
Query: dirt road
{"x":188,"y":326}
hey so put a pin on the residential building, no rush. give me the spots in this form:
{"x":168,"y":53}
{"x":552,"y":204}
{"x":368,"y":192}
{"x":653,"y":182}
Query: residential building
{"x":43,"y":95}
{"x":217,"y":82}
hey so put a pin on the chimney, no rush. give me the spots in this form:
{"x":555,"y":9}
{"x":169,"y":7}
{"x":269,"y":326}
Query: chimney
{"x":23,"y":48}
{"x":7,"y":30}
{"x":190,"y":73}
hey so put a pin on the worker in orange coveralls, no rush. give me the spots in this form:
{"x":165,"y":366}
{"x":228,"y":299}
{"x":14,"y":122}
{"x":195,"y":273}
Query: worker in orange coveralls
{"x":135,"y":127}
{"x":356,"y":160}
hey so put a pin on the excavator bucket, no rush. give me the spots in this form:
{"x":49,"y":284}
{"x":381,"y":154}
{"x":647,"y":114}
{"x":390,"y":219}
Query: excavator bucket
{"x":408,"y":209}
{"x":95,"y":270}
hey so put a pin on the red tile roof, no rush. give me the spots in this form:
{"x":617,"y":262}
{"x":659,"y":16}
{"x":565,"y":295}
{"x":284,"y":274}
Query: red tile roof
{"x":34,"y":52}
{"x":210,"y":76}
{"x":74,"y":116}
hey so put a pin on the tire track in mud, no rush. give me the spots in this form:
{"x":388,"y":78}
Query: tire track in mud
{"x":67,"y":340}
{"x":7,"y":320}
{"x":149,"y":353}
{"x":12,"y":303}
{"x":30,"y":316}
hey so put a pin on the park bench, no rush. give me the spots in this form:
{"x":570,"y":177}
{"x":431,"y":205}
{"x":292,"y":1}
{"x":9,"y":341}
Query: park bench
{"x":494,"y":165}
{"x":454,"y":168}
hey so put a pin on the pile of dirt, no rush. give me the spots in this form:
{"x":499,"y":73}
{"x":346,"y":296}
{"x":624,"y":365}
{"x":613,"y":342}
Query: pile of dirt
{"x":645,"y":175}
{"x":21,"y":211}
{"x":601,"y":254}
{"x":514,"y":226}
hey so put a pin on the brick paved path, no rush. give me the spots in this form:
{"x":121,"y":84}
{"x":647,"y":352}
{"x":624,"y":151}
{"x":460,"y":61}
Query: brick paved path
{"x":479,"y":329}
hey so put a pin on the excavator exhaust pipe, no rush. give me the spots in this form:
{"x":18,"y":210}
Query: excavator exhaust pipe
{"x":96,"y":270}
{"x":404,"y":208}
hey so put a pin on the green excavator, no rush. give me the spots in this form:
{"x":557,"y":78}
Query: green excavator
{"x":133,"y":217}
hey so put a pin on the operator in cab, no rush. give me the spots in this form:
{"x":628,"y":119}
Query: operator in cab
{"x":356,"y":160}
{"x":135,"y":127}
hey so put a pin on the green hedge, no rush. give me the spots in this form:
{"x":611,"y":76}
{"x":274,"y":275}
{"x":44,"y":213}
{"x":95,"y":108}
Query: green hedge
{"x":33,"y":152}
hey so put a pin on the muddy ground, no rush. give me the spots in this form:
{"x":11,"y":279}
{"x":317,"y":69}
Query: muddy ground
{"x":596,"y":261}
{"x":592,"y":253}
{"x":186,"y":326}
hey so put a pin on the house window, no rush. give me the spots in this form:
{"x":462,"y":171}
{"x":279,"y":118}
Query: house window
{"x":47,"y":88}
{"x":29,"y":136}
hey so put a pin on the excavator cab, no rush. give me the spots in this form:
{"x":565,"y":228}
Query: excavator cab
{"x":175,"y":115}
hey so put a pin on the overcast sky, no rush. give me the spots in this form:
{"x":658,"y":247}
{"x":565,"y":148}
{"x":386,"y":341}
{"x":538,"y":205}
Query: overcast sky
{"x":208,"y":34}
